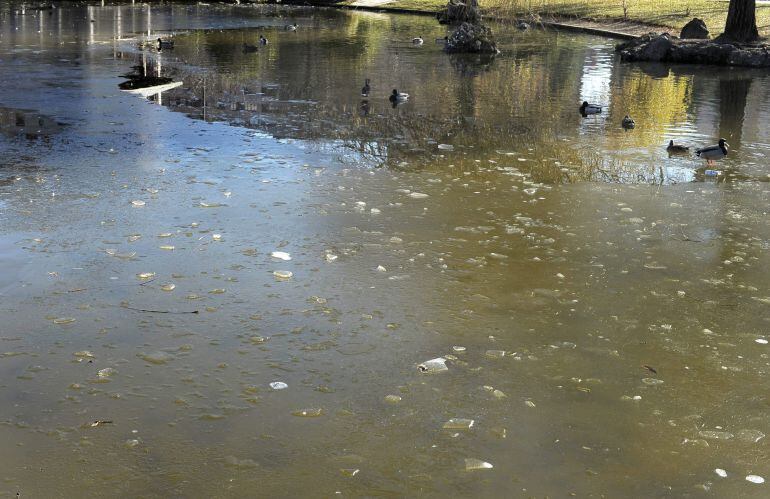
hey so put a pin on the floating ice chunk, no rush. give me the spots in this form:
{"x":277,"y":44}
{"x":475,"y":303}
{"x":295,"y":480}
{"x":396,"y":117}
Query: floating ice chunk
{"x":331,"y":257}
{"x":459,"y":424}
{"x":283,"y":275}
{"x":751,"y":436}
{"x":168,"y":287}
{"x":433,"y":365}
{"x":716,"y":435}
{"x":418,"y":195}
{"x":216,"y":237}
{"x":64,"y":320}
{"x":392,"y":399}
{"x":166,"y":247}
{"x":652,"y":381}
{"x":446,"y":147}
{"x":281,"y":255}
{"x":755,"y":479}
{"x":146,"y":275}
{"x":155,"y":357}
{"x":458,"y":349}
{"x":234,"y":462}
{"x":84,"y":354}
{"x":761,"y":341}
{"x":722,"y":473}
{"x":308,"y":413}
{"x":106,"y":372}
{"x":473,"y":464}
{"x":375,"y":211}
{"x":380,"y":268}
{"x":495,"y":354}
{"x":278,"y":385}
{"x":138,"y":203}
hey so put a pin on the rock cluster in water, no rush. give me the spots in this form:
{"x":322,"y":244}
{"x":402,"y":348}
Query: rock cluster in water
{"x":471,"y":38}
{"x":654,"y":47}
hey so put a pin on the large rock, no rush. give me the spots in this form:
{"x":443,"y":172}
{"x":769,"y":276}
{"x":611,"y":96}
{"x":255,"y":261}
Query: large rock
{"x":695,"y":30}
{"x":459,"y":12}
{"x":650,"y":48}
{"x":472,"y":39}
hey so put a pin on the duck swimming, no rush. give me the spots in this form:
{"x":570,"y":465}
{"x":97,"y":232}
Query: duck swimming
{"x":628,"y":122}
{"x":262,"y":40}
{"x":291,"y":27}
{"x":418,"y":40}
{"x":712,"y":153}
{"x":586,"y":109}
{"x":365,"y":89}
{"x":165,"y":44}
{"x":676,"y":149}
{"x":397,"y":96}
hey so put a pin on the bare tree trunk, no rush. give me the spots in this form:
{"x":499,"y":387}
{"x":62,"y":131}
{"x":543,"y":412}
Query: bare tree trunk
{"x":741,"y":25}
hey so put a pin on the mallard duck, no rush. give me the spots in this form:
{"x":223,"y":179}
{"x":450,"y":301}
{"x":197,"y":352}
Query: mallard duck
{"x":262,"y":40}
{"x":365,"y":89}
{"x":586,"y":109}
{"x":676,"y":149}
{"x":628,"y":122}
{"x":165,"y":44}
{"x":418,"y":40}
{"x":247,"y":47}
{"x":291,"y":27}
{"x":397,"y":96}
{"x":712,"y":153}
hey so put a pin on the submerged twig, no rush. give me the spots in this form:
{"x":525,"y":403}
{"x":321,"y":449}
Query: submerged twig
{"x":157,"y":311}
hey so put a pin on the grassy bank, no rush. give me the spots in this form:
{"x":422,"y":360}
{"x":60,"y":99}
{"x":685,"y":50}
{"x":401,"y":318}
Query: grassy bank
{"x":669,"y":13}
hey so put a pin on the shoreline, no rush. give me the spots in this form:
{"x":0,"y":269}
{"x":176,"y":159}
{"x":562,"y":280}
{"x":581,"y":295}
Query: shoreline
{"x":617,"y":29}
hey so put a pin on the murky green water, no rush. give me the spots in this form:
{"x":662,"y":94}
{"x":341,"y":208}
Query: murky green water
{"x":611,"y":302}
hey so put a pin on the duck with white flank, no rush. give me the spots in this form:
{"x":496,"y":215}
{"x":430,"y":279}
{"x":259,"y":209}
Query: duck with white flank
{"x":712,"y":153}
{"x":262,"y":40}
{"x":586,"y":109}
{"x":366,"y":89}
{"x":418,"y":40}
{"x":165,"y":44}
{"x":676,"y":148}
{"x":291,"y":27}
{"x":397,"y":96}
{"x":628,"y":122}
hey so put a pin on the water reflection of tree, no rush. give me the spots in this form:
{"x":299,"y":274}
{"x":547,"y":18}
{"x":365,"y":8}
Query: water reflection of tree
{"x":733,"y":94}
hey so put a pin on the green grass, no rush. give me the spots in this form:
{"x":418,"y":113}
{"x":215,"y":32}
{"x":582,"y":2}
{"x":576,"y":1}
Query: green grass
{"x":669,"y":13}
